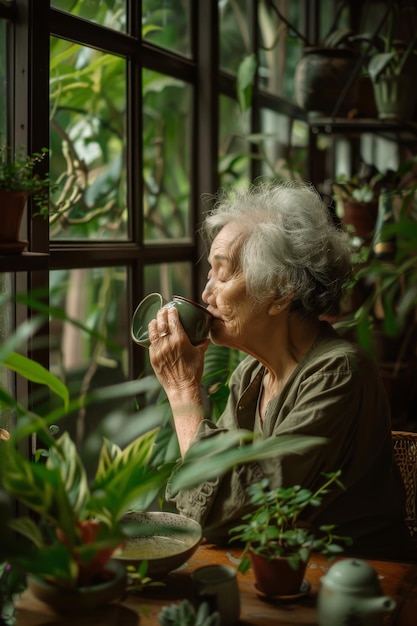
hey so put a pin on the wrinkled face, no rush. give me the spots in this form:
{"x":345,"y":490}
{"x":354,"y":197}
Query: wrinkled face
{"x":237,"y":315}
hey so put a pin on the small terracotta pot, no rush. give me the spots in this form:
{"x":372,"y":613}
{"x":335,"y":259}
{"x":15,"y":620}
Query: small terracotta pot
{"x":362,"y":216}
{"x":12,"y":205}
{"x":276,"y":577}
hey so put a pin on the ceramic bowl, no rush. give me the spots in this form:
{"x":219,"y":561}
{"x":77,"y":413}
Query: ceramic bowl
{"x":195,"y":318}
{"x":164,"y":540}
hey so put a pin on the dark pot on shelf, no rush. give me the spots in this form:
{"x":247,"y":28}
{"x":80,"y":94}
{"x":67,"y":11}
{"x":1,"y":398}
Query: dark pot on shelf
{"x":321,"y":76}
{"x":366,"y":98}
{"x":12,"y":206}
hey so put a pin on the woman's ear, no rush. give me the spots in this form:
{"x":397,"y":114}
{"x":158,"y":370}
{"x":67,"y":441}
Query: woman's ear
{"x":277,"y":306}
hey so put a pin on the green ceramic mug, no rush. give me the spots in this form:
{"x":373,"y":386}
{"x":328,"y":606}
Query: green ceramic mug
{"x":195,"y":319}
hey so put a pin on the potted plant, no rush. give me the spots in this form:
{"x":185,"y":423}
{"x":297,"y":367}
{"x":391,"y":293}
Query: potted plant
{"x":277,"y":542}
{"x":71,"y":523}
{"x":392,"y":69}
{"x":357,"y":198}
{"x":19,"y":180}
{"x":67,"y":548}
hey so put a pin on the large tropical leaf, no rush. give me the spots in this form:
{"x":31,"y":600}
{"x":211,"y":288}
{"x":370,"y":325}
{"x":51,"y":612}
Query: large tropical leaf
{"x":132,"y":488}
{"x":38,"y":487}
{"x":215,"y":456}
{"x":64,"y":457}
{"x":113,"y":460}
{"x":33,"y":371}
{"x":27,"y":527}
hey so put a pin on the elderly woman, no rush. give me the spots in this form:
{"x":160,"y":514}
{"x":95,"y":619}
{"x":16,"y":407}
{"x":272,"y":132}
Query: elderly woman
{"x":278,"y":266}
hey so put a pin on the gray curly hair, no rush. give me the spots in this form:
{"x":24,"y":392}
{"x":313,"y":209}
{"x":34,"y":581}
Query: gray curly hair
{"x":289,"y":244}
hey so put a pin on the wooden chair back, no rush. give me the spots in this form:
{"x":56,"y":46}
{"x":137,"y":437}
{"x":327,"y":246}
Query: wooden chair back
{"x":405,"y":453}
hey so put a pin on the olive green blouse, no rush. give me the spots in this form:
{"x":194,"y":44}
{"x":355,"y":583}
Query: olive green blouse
{"x":334,"y":392}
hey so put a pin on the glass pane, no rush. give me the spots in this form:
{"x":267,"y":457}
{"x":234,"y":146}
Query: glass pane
{"x":167,"y":124}
{"x":280,"y":47}
{"x":110,"y":13}
{"x":235,"y":37}
{"x":329,"y":11}
{"x":234,"y":149}
{"x":167,"y":24}
{"x":95,"y":298}
{"x":88,"y":143}
{"x":283,"y":146}
{"x":3,"y":84}
{"x":169,"y":279}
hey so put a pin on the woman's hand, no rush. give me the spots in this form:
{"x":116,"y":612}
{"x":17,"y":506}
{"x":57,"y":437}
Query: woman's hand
{"x":177,"y":364}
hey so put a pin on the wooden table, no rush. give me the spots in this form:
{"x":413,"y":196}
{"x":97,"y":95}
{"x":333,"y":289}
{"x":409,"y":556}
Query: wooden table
{"x":398,"y":580}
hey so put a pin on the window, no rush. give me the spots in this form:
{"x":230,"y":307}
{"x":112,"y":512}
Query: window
{"x":137,"y":104}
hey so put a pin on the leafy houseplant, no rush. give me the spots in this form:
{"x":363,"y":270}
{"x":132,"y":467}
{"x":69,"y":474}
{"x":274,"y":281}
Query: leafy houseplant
{"x":19,"y":174}
{"x":74,"y":523}
{"x":18,"y":180}
{"x":79,"y":523}
{"x":392,"y":69}
{"x":273,"y":533}
{"x":357,"y":197}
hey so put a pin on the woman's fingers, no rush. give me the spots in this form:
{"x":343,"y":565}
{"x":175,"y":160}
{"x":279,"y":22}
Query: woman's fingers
{"x":166,"y":323}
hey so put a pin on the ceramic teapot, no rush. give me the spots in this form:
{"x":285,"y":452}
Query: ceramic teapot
{"x":350,"y":593}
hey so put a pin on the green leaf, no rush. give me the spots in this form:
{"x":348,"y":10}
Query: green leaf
{"x":245,"y":76}
{"x":221,"y":459}
{"x":28,"y":528}
{"x":20,"y":336}
{"x":112,"y":459}
{"x":65,"y":458}
{"x":378,"y":63}
{"x":36,"y":373}
{"x":32,"y":483}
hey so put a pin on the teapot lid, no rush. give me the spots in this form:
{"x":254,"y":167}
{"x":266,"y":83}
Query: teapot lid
{"x":352,"y":575}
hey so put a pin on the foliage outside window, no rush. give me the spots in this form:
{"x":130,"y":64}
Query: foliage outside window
{"x":167,"y":24}
{"x":3,"y":80}
{"x":167,"y":123}
{"x":235,"y":37}
{"x":109,"y":13}
{"x":88,"y":143}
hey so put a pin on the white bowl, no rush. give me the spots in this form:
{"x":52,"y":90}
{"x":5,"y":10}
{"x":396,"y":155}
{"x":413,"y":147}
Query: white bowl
{"x":164,"y":540}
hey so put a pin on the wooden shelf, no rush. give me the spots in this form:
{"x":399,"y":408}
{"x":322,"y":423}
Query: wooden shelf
{"x":327,"y":125}
{"x":25,"y":262}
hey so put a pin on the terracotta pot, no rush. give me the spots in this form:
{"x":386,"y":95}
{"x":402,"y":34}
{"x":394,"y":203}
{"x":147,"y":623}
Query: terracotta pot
{"x":362,"y":216}
{"x":81,"y":598}
{"x":276,"y":577}
{"x":12,"y":206}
